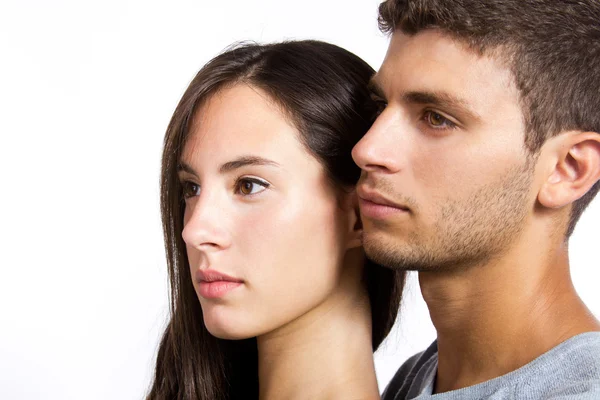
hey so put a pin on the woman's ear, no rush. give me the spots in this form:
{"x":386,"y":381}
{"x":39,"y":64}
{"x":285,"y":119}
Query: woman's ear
{"x":575,"y":169}
{"x":354,"y":221}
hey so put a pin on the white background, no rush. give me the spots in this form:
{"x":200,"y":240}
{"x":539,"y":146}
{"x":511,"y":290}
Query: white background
{"x":86,"y":92}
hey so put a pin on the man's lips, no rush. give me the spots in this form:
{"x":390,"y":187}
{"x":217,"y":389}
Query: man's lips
{"x":370,"y":196}
{"x":375,"y":206}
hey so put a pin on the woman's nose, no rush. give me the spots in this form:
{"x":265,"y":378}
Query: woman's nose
{"x":205,"y":226}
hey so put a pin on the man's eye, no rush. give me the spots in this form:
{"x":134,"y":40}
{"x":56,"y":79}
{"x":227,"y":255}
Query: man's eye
{"x":438,"y":121}
{"x":190,"y":189}
{"x":247,"y":186}
{"x":381,"y":105}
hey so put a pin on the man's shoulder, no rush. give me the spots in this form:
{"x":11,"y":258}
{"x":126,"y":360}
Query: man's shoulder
{"x":570,"y":371}
{"x":577,"y":358}
{"x":404,"y":378}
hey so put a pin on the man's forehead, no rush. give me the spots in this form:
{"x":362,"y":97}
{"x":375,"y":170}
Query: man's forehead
{"x":431,"y":61}
{"x":430,"y":48}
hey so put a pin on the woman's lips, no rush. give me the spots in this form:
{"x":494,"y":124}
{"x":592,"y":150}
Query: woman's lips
{"x":216,"y":289}
{"x":214,"y":284}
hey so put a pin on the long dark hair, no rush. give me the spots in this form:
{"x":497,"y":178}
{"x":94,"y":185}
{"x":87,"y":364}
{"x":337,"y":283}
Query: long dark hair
{"x":323,"y":89}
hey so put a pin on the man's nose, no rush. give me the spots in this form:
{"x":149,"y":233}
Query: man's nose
{"x":381,"y":147}
{"x":205,"y":225}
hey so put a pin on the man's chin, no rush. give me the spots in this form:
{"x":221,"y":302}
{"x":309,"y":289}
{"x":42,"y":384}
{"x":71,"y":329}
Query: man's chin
{"x":389,"y":253}
{"x":393,"y":253}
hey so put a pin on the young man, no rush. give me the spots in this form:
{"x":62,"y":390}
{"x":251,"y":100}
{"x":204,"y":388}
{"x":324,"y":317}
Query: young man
{"x":483,"y":158}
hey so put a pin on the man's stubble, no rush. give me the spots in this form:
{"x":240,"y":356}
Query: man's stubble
{"x":467,"y":231}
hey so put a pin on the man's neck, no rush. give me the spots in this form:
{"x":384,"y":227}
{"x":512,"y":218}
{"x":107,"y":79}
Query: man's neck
{"x":326,"y":354}
{"x":493,"y":319}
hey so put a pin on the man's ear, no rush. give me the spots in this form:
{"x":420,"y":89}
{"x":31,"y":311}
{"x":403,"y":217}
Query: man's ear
{"x":354,"y":222}
{"x":575,"y":169}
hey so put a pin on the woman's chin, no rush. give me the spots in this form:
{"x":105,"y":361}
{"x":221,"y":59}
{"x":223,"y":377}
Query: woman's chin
{"x":227,"y":328}
{"x":227,"y":334}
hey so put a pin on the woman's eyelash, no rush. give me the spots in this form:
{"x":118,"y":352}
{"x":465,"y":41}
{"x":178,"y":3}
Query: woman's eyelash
{"x":189,"y":189}
{"x":243,"y":186}
{"x":246,"y":186}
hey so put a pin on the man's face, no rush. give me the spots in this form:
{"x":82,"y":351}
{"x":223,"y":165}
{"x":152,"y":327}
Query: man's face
{"x":446,"y":179}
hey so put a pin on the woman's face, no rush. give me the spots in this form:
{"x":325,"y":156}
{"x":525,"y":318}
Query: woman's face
{"x":265,"y":231}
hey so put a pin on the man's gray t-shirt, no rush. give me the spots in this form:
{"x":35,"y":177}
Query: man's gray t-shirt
{"x":570,"y":371}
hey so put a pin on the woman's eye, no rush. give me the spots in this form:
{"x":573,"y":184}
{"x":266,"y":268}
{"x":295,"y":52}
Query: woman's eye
{"x":438,"y":121}
{"x":190,"y":189}
{"x":247,"y":187}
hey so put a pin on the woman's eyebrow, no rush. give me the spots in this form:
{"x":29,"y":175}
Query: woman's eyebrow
{"x":245,"y":161}
{"x":183,"y":167}
{"x":231,"y":165}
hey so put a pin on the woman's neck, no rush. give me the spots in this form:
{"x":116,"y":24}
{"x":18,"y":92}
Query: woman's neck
{"x":325,"y":354}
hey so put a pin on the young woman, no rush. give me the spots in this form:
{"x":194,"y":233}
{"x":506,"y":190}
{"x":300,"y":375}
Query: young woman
{"x":271,"y":295}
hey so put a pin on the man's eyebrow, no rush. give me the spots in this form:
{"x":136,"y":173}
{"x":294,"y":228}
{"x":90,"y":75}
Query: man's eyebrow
{"x":231,"y":165}
{"x":442,"y":100}
{"x":374,"y":87}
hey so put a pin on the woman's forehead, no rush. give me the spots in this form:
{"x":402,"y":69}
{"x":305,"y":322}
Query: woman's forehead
{"x":241,"y":122}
